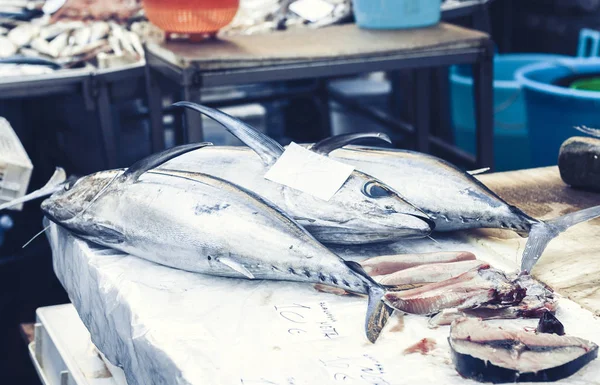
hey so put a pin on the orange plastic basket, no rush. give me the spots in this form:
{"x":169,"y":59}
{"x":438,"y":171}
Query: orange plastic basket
{"x":194,"y":17}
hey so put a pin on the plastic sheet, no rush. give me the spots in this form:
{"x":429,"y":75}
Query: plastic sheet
{"x":164,"y":326}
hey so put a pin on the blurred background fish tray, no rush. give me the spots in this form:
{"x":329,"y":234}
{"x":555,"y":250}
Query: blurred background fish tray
{"x":15,"y":165}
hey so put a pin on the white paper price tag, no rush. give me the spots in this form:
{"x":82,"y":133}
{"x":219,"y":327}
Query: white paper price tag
{"x":309,"y":172}
{"x":312,"y":10}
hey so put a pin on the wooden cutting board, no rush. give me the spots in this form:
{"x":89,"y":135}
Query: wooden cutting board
{"x":571,"y":263}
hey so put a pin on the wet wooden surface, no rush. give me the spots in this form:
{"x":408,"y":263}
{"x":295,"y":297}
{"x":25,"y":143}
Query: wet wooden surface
{"x":571,"y":263}
{"x":305,"y":44}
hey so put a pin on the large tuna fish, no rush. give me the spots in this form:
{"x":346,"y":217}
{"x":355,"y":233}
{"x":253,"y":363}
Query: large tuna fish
{"x":363,"y":210}
{"x":203,"y":224}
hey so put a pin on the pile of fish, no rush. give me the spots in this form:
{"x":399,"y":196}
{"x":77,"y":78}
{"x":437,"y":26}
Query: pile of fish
{"x":67,"y":44}
{"x":264,"y":16}
{"x":210,"y":210}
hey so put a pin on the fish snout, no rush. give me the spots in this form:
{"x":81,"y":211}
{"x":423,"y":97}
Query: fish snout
{"x":412,"y":225}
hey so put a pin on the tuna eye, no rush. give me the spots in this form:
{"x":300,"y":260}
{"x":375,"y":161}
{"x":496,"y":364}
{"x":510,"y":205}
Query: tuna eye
{"x":375,"y":190}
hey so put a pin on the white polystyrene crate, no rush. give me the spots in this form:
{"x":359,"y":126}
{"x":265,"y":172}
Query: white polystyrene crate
{"x":15,"y":165}
{"x":63,"y":354}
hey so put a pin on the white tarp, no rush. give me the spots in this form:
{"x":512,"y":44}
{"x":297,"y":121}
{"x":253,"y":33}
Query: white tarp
{"x":165,"y":326}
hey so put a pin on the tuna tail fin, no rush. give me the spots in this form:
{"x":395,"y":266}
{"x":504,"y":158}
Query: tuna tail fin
{"x":543,"y":232}
{"x":378,"y":311}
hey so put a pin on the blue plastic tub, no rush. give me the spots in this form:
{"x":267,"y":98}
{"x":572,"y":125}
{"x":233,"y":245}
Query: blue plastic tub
{"x":553,"y":111}
{"x":396,"y":14}
{"x":511,"y":144}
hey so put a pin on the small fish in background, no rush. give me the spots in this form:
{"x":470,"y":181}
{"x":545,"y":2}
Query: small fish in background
{"x":7,"y":47}
{"x":77,"y":36}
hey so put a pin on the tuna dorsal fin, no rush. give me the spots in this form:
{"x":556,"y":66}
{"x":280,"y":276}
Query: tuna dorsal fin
{"x":332,"y":143}
{"x":268,"y":149}
{"x":588,"y":130}
{"x":234,"y":265}
{"x":153,"y":161}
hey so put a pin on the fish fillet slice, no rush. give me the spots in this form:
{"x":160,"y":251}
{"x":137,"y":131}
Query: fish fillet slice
{"x":434,"y":272}
{"x":392,"y":263}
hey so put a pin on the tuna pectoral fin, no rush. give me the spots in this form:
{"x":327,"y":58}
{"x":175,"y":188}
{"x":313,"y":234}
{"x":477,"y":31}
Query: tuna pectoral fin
{"x":236,"y":266}
{"x":543,"y":232}
{"x":332,"y":143}
{"x":268,"y":149}
{"x":378,"y":311}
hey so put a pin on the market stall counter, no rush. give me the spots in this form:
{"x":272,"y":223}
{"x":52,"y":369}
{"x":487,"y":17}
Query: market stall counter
{"x":162,"y":325}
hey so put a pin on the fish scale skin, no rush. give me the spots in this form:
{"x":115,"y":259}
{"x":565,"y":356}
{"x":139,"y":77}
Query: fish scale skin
{"x":452,"y":198}
{"x":258,"y":236}
{"x":349,"y":217}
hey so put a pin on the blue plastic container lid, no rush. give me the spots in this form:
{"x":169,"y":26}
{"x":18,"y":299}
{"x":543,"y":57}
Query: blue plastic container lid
{"x":506,"y":67}
{"x":539,"y":77}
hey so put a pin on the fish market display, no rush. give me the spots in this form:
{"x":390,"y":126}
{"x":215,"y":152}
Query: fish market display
{"x":453,"y":199}
{"x":264,"y":16}
{"x":363,"y":210}
{"x":68,"y":44}
{"x":500,"y":354}
{"x":199,"y":223}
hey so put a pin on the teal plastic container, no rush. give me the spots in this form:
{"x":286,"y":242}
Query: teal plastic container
{"x":552,"y":110}
{"x":396,"y":14}
{"x":511,"y":142}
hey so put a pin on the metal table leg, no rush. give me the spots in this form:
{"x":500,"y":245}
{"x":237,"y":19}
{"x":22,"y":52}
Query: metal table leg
{"x":107,"y":125}
{"x":483,"y":75}
{"x":323,"y":103}
{"x":193,"y":120}
{"x":422,"y":109}
{"x":155,"y":109}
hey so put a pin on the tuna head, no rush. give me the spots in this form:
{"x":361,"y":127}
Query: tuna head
{"x":363,"y":210}
{"x":68,"y":206}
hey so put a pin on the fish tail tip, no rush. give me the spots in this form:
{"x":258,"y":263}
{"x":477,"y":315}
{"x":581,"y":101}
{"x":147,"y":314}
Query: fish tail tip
{"x":378,"y":313}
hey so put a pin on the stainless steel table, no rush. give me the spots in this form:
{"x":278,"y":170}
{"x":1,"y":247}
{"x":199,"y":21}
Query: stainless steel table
{"x":321,"y":54}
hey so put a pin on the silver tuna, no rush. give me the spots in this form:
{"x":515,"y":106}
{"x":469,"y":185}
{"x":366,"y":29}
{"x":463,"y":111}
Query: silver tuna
{"x":454,"y":199}
{"x":364,"y":210}
{"x":203,"y":224}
